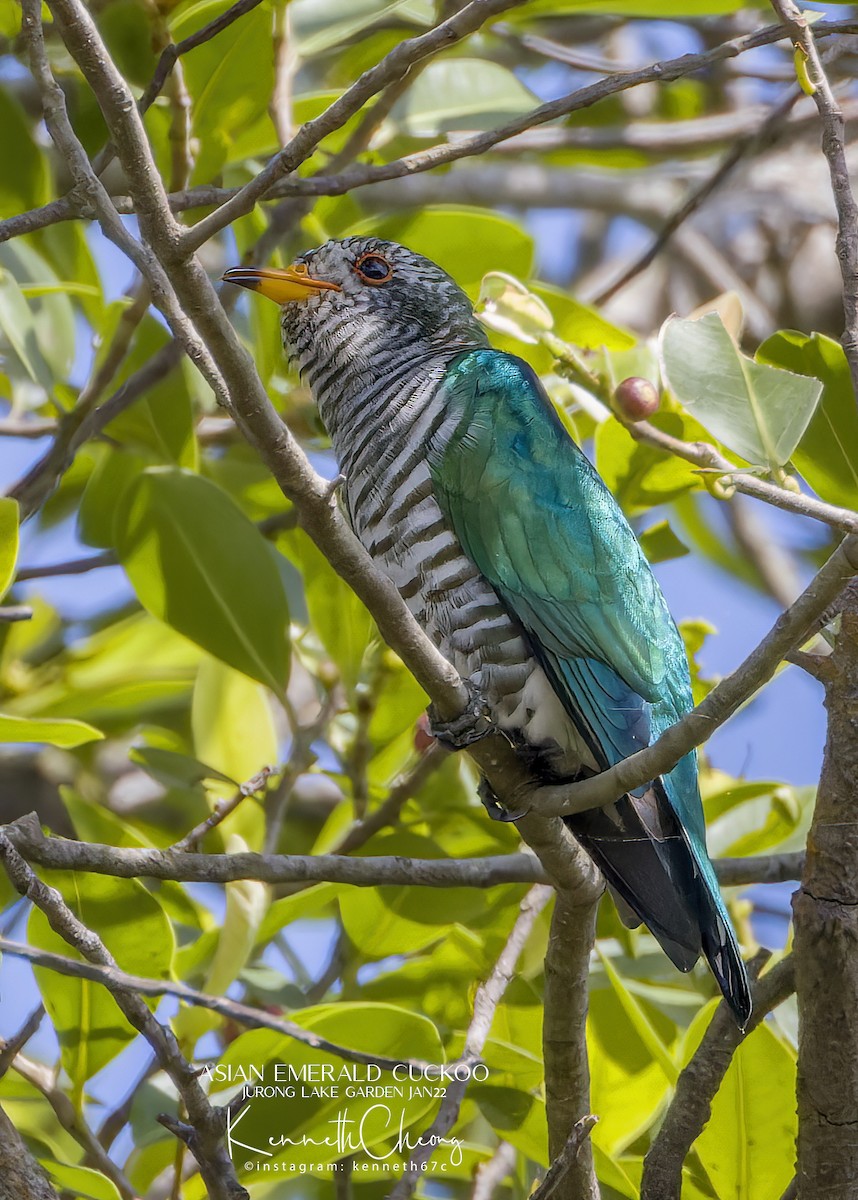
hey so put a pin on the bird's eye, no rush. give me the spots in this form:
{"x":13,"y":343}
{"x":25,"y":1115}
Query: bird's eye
{"x":372,"y":268}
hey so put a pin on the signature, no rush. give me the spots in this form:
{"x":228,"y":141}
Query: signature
{"x":347,"y":1140}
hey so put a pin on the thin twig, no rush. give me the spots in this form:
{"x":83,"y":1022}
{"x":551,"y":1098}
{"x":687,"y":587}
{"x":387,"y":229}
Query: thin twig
{"x":741,"y":148}
{"x":18,"y":1040}
{"x":494,"y":1171}
{"x":222,"y":809}
{"x":488,"y":995}
{"x":12,"y":613}
{"x":562,"y":1165}
{"x":119,"y":982}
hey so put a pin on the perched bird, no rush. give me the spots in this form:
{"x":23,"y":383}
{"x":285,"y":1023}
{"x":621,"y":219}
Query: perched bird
{"x":511,"y":553}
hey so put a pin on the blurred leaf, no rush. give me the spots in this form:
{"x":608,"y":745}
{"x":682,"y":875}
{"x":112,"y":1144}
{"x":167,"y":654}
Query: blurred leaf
{"x":461,"y":94}
{"x":19,"y":329}
{"x":659,"y":543}
{"x":67,"y":734}
{"x":230,"y":78}
{"x":320,"y":24}
{"x":232,"y":722}
{"x":748,"y":1145}
{"x":197,"y":563}
{"x":115,"y":472}
{"x":758,"y":411}
{"x":133,"y":926}
{"x":26,"y":181}
{"x":507,"y":306}
{"x":827,"y":455}
{"x":175,"y":770}
{"x":337,"y":616}
{"x":8,"y":542}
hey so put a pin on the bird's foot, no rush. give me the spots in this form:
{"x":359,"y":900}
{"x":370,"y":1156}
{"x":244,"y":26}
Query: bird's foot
{"x":469,"y":727}
{"x":493,"y":806}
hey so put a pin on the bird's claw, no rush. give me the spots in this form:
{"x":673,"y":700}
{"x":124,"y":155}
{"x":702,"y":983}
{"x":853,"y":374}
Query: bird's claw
{"x":469,"y":727}
{"x":493,"y":806}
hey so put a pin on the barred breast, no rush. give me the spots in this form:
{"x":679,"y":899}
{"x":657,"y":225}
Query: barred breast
{"x":392,"y":507}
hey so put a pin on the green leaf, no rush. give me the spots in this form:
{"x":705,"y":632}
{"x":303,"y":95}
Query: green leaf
{"x":641,"y":476}
{"x":639,"y":1020}
{"x":320,"y":24}
{"x":748,"y":1145}
{"x":26,"y":182}
{"x":337,"y":616}
{"x":659,"y":543}
{"x":19,"y":329}
{"x":827,"y":455}
{"x":461,"y":93}
{"x":230,"y":78}
{"x":8,"y":542}
{"x":232,"y":723}
{"x":135,"y":929}
{"x":67,"y":734}
{"x":759,"y":412}
{"x":81,"y":1182}
{"x":173,"y":769}
{"x":197,"y":563}
{"x":466,"y":242}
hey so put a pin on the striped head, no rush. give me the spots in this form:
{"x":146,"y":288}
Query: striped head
{"x":355,"y":309}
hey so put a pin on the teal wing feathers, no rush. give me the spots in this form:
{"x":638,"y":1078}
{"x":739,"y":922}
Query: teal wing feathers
{"x":534,"y":516}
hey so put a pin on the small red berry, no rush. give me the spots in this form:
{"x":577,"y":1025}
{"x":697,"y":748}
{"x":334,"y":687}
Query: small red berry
{"x":635,"y":399}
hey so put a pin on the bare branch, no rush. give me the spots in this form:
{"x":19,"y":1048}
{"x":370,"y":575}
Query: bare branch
{"x":222,"y":810}
{"x":376,"y":871}
{"x":566,"y":1159}
{"x":834,"y":149}
{"x":698,"y":1082}
{"x":564,"y":1040}
{"x":119,"y":982}
{"x":43,"y":1078}
{"x":208,"y":1125}
{"x":706,"y":456}
{"x":740,"y":149}
{"x":488,"y":996}
{"x":129,"y":862}
{"x":494,"y":1171}
{"x":825,"y":912}
{"x":18,"y":1041}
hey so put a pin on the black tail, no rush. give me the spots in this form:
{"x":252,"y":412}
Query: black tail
{"x":641,"y":849}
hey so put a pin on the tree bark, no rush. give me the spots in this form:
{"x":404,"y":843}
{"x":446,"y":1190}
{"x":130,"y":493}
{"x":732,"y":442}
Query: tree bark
{"x":567,"y":1074}
{"x":826,"y":945}
{"x":21,"y":1177}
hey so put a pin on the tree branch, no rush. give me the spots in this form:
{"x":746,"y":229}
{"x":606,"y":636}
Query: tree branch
{"x":206,"y":1142}
{"x":690,"y":1108}
{"x":825,"y":911}
{"x":834,"y":149}
{"x":374,"y":871}
{"x":564,"y":1044}
{"x":488,"y":996}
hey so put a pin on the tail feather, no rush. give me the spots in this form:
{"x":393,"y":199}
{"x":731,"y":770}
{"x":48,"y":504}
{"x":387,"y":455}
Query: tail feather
{"x":643,"y":852}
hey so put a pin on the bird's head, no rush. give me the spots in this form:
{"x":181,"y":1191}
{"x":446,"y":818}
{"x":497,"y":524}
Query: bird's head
{"x":362,"y":301}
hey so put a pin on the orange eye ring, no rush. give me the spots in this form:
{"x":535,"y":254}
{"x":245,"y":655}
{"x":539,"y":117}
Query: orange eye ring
{"x":373,"y":268}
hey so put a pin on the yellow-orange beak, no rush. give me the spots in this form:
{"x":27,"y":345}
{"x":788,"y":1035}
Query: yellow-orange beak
{"x":293,"y":283}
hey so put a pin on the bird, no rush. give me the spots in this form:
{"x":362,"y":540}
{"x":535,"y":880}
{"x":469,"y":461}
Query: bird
{"x":464,"y":486}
